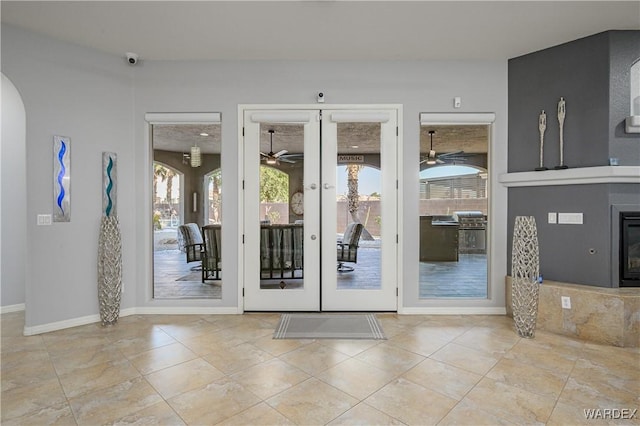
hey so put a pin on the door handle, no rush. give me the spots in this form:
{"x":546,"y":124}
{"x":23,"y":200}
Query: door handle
{"x":313,"y":186}
{"x":313,"y":237}
{"x":327,"y":186}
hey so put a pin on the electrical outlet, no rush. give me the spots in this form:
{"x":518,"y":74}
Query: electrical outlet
{"x":566,"y":302}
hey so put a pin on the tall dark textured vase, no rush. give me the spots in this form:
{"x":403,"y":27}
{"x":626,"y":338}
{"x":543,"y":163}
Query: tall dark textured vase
{"x":109,"y":246}
{"x":525,"y":270}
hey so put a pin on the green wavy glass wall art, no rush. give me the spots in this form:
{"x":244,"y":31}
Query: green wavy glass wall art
{"x":109,"y":183}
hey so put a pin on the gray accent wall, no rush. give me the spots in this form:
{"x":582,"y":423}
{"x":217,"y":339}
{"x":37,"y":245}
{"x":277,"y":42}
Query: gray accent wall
{"x":592,"y":74}
{"x":624,"y":52}
{"x":564,"y":249}
{"x":577,"y":71}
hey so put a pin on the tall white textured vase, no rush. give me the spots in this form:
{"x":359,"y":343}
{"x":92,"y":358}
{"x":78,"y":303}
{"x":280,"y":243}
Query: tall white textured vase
{"x":109,"y":245}
{"x":525,"y":270}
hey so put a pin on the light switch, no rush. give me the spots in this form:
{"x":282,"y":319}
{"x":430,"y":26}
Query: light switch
{"x":44,"y":219}
{"x":457,"y":102}
{"x":553,"y":217}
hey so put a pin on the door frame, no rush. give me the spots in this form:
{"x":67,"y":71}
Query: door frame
{"x":496,"y":230}
{"x":295,"y":299}
{"x":385,"y":297}
{"x":321,"y":106}
{"x":151,"y":119}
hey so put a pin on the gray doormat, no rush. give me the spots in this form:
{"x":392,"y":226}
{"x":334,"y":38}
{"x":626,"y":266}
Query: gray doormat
{"x":329,"y":326}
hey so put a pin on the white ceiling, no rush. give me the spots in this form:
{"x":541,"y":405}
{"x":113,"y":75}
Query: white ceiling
{"x":320,"y":30}
{"x":317,"y":30}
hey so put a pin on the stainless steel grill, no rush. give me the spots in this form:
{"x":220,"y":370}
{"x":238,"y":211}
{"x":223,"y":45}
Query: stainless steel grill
{"x":472,"y":232}
{"x":470,"y":220}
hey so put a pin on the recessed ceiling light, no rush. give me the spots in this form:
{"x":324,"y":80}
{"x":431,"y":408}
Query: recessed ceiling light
{"x":204,"y":134}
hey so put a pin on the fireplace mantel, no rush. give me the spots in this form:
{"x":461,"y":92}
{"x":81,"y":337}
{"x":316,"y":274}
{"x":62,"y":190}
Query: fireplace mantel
{"x":577,"y":176}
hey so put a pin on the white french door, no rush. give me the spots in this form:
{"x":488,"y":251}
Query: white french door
{"x":372,"y":284}
{"x":337,"y":166}
{"x":281,"y":267}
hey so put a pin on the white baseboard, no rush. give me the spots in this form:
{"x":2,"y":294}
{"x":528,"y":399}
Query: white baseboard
{"x":60,"y":325}
{"x":90,"y":319}
{"x":194,"y":310}
{"x":453,"y":311}
{"x":12,"y":308}
{"x":186,"y":310}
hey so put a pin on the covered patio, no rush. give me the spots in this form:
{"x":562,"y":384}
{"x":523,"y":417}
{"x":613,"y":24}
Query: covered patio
{"x":466,"y":278}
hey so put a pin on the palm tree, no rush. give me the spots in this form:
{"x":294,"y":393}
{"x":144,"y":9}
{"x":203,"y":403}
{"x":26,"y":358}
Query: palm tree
{"x":159,"y":172}
{"x":216,"y":202}
{"x":353,"y":197}
{"x":170,"y":175}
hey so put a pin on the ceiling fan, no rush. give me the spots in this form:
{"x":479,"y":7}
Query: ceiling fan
{"x":433,"y":158}
{"x":277,"y":157}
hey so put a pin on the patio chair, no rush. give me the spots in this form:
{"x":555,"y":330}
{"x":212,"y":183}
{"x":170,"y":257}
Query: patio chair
{"x":348,"y":247}
{"x":281,"y":251}
{"x":212,"y":252}
{"x":190,"y":242}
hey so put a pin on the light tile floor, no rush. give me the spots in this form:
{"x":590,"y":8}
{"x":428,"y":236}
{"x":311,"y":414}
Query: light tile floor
{"x":227,"y":369}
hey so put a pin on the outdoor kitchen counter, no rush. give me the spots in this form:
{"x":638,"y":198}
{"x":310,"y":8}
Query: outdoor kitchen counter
{"x":438,"y":239}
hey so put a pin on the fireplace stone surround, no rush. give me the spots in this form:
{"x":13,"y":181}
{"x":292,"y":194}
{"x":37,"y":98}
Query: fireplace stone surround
{"x":609,"y":316}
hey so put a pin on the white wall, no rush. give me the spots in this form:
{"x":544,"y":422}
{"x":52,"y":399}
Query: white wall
{"x":100,"y":102}
{"x":13,"y":190}
{"x":87,"y":96}
{"x":421,"y":86}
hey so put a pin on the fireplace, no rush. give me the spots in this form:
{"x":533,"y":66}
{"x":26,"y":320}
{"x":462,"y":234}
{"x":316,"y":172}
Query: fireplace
{"x":629,"y":249}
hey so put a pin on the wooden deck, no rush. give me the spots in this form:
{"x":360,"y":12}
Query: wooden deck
{"x":466,"y":278}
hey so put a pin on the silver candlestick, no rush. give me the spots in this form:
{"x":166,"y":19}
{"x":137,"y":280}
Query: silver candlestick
{"x":542,"y":126}
{"x":561,"y":114}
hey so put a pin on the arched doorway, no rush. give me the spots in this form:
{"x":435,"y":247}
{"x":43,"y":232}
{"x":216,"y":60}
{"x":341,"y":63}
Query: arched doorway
{"x":13,"y":192}
{"x":168,"y":197}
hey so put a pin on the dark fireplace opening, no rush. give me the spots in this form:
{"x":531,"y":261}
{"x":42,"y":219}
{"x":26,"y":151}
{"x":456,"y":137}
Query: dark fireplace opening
{"x":629,"y":249}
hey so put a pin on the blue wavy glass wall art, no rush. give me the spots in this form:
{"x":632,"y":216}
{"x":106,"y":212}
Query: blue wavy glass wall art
{"x":61,"y":179}
{"x":109,"y":184}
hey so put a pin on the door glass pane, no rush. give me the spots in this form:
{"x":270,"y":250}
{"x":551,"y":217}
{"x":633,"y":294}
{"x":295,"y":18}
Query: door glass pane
{"x":453,"y":211}
{"x":358,"y":204}
{"x":187,"y":191}
{"x":281,"y":206}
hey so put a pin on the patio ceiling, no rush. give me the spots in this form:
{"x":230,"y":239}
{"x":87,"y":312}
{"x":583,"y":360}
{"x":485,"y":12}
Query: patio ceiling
{"x":366,"y":136}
